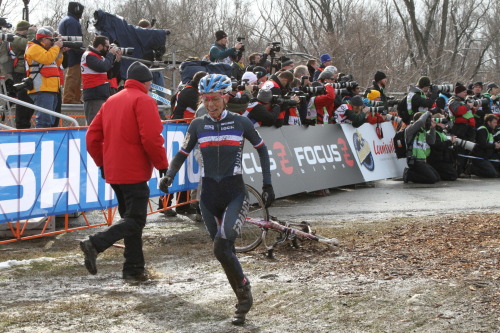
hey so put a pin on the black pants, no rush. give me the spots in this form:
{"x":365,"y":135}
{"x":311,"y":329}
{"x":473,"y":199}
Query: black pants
{"x":422,"y":172}
{"x":483,"y":168}
{"x":132,"y":206}
{"x":23,"y":113}
{"x":446,"y":170}
{"x":465,"y":132}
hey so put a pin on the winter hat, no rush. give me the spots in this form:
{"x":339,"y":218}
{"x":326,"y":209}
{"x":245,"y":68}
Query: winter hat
{"x":379,"y":76}
{"x":140,"y":72}
{"x":251,"y":77}
{"x":265,"y":95}
{"x":373,"y":94}
{"x":459,"y":89}
{"x":325,"y":57}
{"x":478,"y":83}
{"x":220,"y":34}
{"x":259,"y":71}
{"x":325,"y":75}
{"x":43,"y":33}
{"x":331,"y":69}
{"x":22,"y":25}
{"x":424,"y":81}
{"x":286,"y":62}
{"x":491,"y":86}
{"x":75,"y":8}
{"x":357,"y":101}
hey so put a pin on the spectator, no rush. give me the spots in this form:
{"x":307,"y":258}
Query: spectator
{"x":353,"y":113}
{"x":279,"y":83}
{"x":96,"y":62}
{"x":492,"y":93}
{"x":312,"y":66}
{"x":238,"y":100}
{"x":326,"y":60}
{"x":486,"y":148}
{"x":219,"y":51}
{"x":188,"y":99}
{"x":125,"y":142}
{"x":287,"y":64}
{"x":420,"y":135}
{"x":43,"y":57}
{"x":70,"y":26}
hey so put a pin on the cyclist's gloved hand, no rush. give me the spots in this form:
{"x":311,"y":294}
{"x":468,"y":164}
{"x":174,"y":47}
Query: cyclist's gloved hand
{"x":102,"y":172}
{"x":165,"y":182}
{"x":163,"y":172}
{"x":268,"y":194}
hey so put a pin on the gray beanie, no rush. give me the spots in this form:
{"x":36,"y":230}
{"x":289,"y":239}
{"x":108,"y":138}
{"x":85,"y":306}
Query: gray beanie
{"x":357,"y":101}
{"x":140,"y":72}
{"x":265,"y":95}
{"x":325,"y":75}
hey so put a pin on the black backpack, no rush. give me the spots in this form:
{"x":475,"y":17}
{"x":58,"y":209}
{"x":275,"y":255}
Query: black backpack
{"x":403,"y":110}
{"x":401,"y":149}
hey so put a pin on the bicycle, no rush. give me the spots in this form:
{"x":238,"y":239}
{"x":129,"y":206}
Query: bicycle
{"x":260,"y":227}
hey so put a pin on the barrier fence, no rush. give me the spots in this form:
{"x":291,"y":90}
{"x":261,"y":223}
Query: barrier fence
{"x":48,"y":172}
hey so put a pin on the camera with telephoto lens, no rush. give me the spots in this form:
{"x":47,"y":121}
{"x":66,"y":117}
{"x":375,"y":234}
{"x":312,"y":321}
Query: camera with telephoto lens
{"x":444,"y":88}
{"x":393,"y":102}
{"x":390,"y":117}
{"x":284,"y":102}
{"x":4,"y":23}
{"x":341,"y":92}
{"x":242,"y":86}
{"x":7,"y":37}
{"x":127,"y":51}
{"x":26,"y":83}
{"x":70,"y":38}
{"x":461,"y":143}
{"x":275,"y":49}
{"x":342,"y":85}
{"x":476,"y":102}
{"x":376,"y":103}
{"x":241,"y":40}
{"x":314,"y":91}
{"x":378,"y":109}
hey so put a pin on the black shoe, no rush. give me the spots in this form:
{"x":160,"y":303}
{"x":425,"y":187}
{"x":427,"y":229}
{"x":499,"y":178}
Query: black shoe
{"x":135,"y":278}
{"x":245,"y":302}
{"x":405,"y":175}
{"x":90,"y":254}
{"x":169,"y":213}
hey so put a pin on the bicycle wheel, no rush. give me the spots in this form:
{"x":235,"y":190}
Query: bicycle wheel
{"x":251,"y":235}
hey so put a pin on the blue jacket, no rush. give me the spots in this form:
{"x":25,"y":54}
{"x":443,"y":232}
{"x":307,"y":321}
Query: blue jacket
{"x":70,"y":26}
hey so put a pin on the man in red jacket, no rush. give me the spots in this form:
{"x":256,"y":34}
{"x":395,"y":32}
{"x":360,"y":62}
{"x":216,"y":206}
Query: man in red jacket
{"x":125,"y":141}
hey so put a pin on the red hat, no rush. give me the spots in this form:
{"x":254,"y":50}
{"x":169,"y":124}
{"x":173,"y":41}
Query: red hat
{"x":44,"y":33}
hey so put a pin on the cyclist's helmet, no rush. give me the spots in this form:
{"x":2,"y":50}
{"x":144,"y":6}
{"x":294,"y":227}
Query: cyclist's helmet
{"x":215,"y":83}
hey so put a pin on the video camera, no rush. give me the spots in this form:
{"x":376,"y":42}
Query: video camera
{"x":4,"y":23}
{"x":443,"y":88}
{"x":26,"y":83}
{"x":241,"y":40}
{"x":476,"y":102}
{"x":276,"y":47}
{"x":7,"y":37}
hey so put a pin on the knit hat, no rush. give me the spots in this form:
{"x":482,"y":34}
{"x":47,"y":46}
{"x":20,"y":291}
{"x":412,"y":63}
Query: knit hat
{"x":43,"y":33}
{"x":140,"y":72}
{"x":424,"y":81}
{"x":331,"y":69}
{"x":220,"y":34}
{"x":325,"y":75}
{"x":22,"y":25}
{"x":259,"y":71}
{"x":286,"y":62}
{"x":459,"y":89}
{"x":325,"y":57}
{"x":379,"y":76}
{"x":265,"y":95}
{"x":477,"y":83}
{"x":357,"y":101}
{"x":491,"y":86}
{"x":251,"y":77}
{"x":373,"y":94}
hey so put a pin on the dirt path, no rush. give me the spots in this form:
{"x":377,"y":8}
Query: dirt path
{"x":405,"y":275}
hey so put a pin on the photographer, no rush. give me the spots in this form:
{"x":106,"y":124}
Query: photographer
{"x":43,"y":57}
{"x":326,"y":61}
{"x":279,"y":83}
{"x":492,"y":93}
{"x":24,"y":32}
{"x":379,"y":84}
{"x":481,"y":109}
{"x":442,"y":157}
{"x":486,"y":148}
{"x":258,"y":59}
{"x":70,"y":26}
{"x":95,"y":64}
{"x":353,"y":113}
{"x":462,"y":114}
{"x":420,"y":135}
{"x":262,"y":112}
{"x":261,"y":74}
{"x":241,"y":95}
{"x":219,"y":51}
{"x":417,"y":99}
{"x":324,"y":104}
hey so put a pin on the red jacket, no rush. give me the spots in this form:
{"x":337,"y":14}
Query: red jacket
{"x":125,"y":136}
{"x":325,"y":101}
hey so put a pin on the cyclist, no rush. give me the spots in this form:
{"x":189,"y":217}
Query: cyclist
{"x":223,"y":201}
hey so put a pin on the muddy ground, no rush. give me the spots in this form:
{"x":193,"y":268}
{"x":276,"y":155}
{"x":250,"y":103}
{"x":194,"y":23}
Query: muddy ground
{"x":405,"y":274}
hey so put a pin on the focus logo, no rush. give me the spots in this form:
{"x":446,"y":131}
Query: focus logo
{"x":363,"y":151}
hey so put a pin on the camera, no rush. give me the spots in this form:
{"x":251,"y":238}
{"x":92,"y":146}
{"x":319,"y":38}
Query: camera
{"x":393,"y":102}
{"x":303,"y":80}
{"x":461,"y":143}
{"x":476,"y":102}
{"x":284,"y":102}
{"x":441,"y":120}
{"x":73,"y":45}
{"x":70,"y":38}
{"x":342,"y":85}
{"x":378,"y":109}
{"x":127,"y":51}
{"x":4,"y":23}
{"x":341,"y":92}
{"x":376,"y":103}
{"x":314,"y":91}
{"x":244,"y":83}
{"x":241,"y":40}
{"x":275,"y":49}
{"x":390,"y":117}
{"x":7,"y":37}
{"x":443,"y":87}
{"x":26,"y":83}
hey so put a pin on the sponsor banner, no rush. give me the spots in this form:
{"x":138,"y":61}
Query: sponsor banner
{"x":375,"y":157}
{"x":303,"y":159}
{"x":159,"y":98}
{"x":46,"y":173}
{"x":160,"y":88}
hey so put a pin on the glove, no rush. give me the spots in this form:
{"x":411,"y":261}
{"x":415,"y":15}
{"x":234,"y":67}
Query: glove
{"x":102,"y":172}
{"x":268,"y":194}
{"x":163,"y":172}
{"x":165,"y":182}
